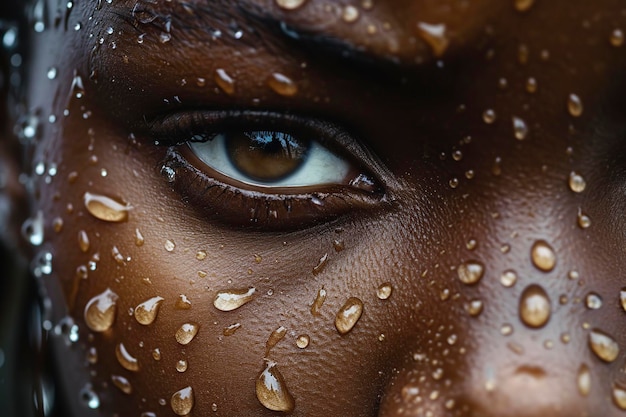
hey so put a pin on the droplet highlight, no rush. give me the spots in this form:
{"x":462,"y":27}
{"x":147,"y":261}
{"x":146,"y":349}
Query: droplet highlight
{"x":348,"y":315}
{"x":185,"y":333}
{"x":470,"y":272}
{"x":182,"y":401}
{"x":603,"y":345}
{"x":543,"y":256}
{"x":229,"y":300}
{"x":105,"y":208}
{"x":534,"y":306}
{"x":146,"y":312}
{"x":100,"y":311}
{"x":271,"y":389}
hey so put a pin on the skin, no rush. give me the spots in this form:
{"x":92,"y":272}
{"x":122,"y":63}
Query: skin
{"x":412,"y":104}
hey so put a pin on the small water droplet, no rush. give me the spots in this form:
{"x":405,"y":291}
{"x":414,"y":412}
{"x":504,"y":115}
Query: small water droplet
{"x":454,"y":182}
{"x":534,"y":306}
{"x":593,"y":301}
{"x":348,"y":315}
{"x":603,"y":345}
{"x":474,"y":307}
{"x":470,"y":272}
{"x":543,"y":256}
{"x":146,"y":312}
{"x":384,"y":291}
{"x":508,"y":278}
{"x":489,"y":116}
{"x":471,"y":244}
{"x":125,"y":359}
{"x":139,"y":239}
{"x":52,"y":73}
{"x":435,"y":35}
{"x":574,"y":105}
{"x":506,"y":329}
{"x":106,"y":208}
{"x":531,"y":85}
{"x":583,"y":380}
{"x":232,"y":299}
{"x":186,"y":333}
{"x":156,"y":354}
{"x":290,"y":4}
{"x":92,"y":355}
{"x":319,"y":302}
{"x":182,"y":401}
{"x":576,"y":182}
{"x":181,"y":365}
{"x":169,"y":245}
{"x":617,"y":38}
{"x":33,"y":230}
{"x":100,"y":311}
{"x":182,"y":302}
{"x":523,"y":5}
{"x":83,"y":241}
{"x":583,"y":220}
{"x":230,"y":330}
{"x":350,"y":14}
{"x":282,"y":85}
{"x":520,"y":129}
{"x":303,"y":341}
{"x":271,"y":389}
{"x":122,"y":384}
{"x":224,"y":81}
{"x":89,"y":398}
{"x":200,"y":255}
{"x":275,"y":337}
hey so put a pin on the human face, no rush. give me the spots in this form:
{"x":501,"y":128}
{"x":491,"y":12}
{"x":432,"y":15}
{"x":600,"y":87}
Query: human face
{"x":463,"y":221}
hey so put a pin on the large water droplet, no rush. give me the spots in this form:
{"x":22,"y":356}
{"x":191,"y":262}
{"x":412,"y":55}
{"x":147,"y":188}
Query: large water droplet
{"x":182,"y":302}
{"x":470,"y":272}
{"x":182,"y":401}
{"x":576,"y":182}
{"x":574,"y":105}
{"x":105,"y":208}
{"x":603,"y":345}
{"x":186,"y":333}
{"x":271,"y":389}
{"x":275,"y":337}
{"x":348,"y":315}
{"x":146,"y":312}
{"x":125,"y":359}
{"x":543,"y":256}
{"x":100,"y":311}
{"x":229,"y":300}
{"x":583,"y":380}
{"x":122,"y":384}
{"x":283,"y":85}
{"x":435,"y":35}
{"x":534,"y":306}
{"x":319,"y":302}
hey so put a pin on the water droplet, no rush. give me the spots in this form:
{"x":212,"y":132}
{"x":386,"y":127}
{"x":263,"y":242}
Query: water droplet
{"x":583,"y":220}
{"x":603,"y":345}
{"x":531,"y":85}
{"x":230,"y":330}
{"x":474,"y":307}
{"x":33,"y":230}
{"x":200,"y":255}
{"x":89,"y":398}
{"x":283,"y":85}
{"x":105,"y":208}
{"x":92,"y":355}
{"x":348,"y":315}
{"x":617,"y":38}
{"x":229,"y":300}
{"x":271,"y":389}
{"x":489,"y":116}
{"x":384,"y":291}
{"x":224,"y":81}
{"x":303,"y":341}
{"x":470,"y":272}
{"x":169,"y":245}
{"x":117,"y":256}
{"x":100,"y":311}
{"x":181,"y":365}
{"x":186,"y":333}
{"x":576,"y":182}
{"x":622,"y":298}
{"x":182,"y":401}
{"x":542,"y":256}
{"x":338,"y":245}
{"x":146,"y":312}
{"x":534,"y":306}
{"x":125,"y":359}
{"x":290,"y":4}
{"x":593,"y":301}
{"x":156,"y":354}
{"x":471,"y":244}
{"x":574,"y":105}
{"x":321,"y":297}
{"x":523,"y":5}
{"x":275,"y":337}
{"x":83,"y":241}
{"x":122,"y":384}
{"x":583,"y":380}
{"x":139,"y":239}
{"x":435,"y":35}
{"x":520,"y":129}
{"x":321,"y":264}
{"x":350,"y":14}
{"x":506,"y":329}
{"x":182,"y":302}
{"x":52,"y":73}
{"x":454,"y":182}
{"x":77,"y":88}
{"x":618,"y":393}
{"x":508,"y":278}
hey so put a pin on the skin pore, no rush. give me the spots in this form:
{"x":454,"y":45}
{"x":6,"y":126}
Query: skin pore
{"x":473,"y":216}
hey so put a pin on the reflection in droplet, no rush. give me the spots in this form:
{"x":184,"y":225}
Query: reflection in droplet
{"x":603,"y":345}
{"x":435,"y":35}
{"x":100,"y":311}
{"x":583,"y":380}
{"x":319,"y":302}
{"x":182,"y":401}
{"x":271,"y":389}
{"x":574,"y":105}
{"x":275,"y":337}
{"x":122,"y":384}
{"x":543,"y":256}
{"x":105,"y":208}
{"x":534,"y":306}
{"x":186,"y":333}
{"x":384,"y":291}
{"x":125,"y":359}
{"x":229,"y":300}
{"x":576,"y":182}
{"x":348,"y":315}
{"x":146,"y":312}
{"x":470,"y":272}
{"x":283,"y":85}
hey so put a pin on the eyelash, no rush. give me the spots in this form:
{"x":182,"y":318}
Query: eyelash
{"x":245,"y":207}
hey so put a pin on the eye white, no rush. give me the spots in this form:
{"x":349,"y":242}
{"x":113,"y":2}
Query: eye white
{"x":320,"y":166}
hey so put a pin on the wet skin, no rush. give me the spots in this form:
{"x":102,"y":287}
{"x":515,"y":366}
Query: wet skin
{"x":450,"y":188}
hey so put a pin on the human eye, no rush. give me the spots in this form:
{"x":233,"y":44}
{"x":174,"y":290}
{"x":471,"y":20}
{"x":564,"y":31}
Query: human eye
{"x":267,"y":170}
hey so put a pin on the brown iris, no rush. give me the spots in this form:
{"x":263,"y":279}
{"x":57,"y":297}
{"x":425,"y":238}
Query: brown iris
{"x":267,"y":156}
